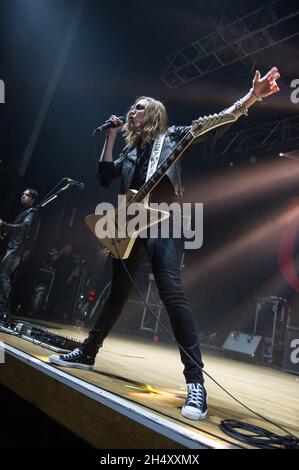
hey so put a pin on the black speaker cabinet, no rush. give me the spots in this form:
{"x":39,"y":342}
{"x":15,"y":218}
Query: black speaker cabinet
{"x":291,"y":351}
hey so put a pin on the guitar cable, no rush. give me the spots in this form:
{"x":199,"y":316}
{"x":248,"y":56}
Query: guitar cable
{"x":227,"y":426}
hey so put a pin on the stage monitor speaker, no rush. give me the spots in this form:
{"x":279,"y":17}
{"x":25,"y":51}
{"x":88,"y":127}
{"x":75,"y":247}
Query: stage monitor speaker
{"x":291,"y":351}
{"x":242,"y":343}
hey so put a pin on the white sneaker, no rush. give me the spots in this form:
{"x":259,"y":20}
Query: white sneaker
{"x":196,"y":403}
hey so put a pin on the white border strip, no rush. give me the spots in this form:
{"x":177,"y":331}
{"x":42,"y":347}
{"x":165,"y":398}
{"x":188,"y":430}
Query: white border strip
{"x":173,"y":431}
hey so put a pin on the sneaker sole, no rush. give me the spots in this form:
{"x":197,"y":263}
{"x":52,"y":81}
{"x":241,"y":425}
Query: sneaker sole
{"x":193,"y":414}
{"x":60,"y":362}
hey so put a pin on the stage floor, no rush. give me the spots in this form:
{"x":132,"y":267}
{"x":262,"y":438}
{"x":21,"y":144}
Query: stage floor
{"x":150,"y":374}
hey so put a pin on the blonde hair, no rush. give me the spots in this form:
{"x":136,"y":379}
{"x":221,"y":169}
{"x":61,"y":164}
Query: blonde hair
{"x":155,"y":124}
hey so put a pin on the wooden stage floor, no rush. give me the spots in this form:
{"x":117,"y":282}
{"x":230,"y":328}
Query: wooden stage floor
{"x":149,"y":375}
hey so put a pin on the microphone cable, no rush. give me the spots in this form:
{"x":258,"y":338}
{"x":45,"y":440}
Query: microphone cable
{"x":257,"y":436}
{"x":227,"y":426}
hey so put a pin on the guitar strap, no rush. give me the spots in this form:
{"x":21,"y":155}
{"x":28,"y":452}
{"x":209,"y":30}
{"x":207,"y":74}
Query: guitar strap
{"x":155,"y":155}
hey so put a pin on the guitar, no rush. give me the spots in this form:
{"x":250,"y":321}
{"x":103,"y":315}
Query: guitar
{"x":117,"y":234}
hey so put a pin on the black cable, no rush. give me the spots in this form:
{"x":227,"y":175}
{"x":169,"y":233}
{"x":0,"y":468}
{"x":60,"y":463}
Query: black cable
{"x":97,"y":172}
{"x":193,"y":360}
{"x":137,"y":288}
{"x":290,"y":436}
{"x":257,"y":436}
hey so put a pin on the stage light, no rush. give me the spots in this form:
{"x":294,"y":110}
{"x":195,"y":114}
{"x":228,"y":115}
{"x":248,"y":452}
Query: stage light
{"x":293,"y":155}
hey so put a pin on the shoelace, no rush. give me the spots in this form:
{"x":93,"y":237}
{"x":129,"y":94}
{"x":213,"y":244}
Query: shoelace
{"x":195,"y":394}
{"x":73,"y":354}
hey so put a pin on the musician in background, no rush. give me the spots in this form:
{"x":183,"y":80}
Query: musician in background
{"x":21,"y":235}
{"x":146,"y":122}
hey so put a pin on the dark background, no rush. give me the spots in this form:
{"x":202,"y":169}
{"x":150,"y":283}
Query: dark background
{"x":118,"y":53}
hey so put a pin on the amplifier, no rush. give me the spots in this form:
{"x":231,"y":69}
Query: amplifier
{"x":242,"y":343}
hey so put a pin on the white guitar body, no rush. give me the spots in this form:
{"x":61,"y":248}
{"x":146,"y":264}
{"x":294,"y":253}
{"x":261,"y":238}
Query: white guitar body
{"x":121,"y":233}
{"x":105,"y":226}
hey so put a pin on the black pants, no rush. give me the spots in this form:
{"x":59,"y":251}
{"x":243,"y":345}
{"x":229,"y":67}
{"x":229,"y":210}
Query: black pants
{"x":165,"y":257}
{"x":8,"y":265}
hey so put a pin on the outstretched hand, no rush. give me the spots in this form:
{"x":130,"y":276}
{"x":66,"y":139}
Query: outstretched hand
{"x":266,"y":85}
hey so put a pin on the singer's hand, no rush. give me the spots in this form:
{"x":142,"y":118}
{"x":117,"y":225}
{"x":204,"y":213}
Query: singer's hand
{"x":113,"y":131}
{"x":266,"y":85}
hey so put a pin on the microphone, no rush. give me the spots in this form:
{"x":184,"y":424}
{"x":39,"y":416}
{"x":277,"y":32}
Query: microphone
{"x":76,"y":183}
{"x":108,"y":124}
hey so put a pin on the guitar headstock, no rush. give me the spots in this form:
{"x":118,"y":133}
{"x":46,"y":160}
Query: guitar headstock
{"x":207,"y":123}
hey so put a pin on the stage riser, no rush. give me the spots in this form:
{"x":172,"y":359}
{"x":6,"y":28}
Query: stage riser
{"x":97,"y":424}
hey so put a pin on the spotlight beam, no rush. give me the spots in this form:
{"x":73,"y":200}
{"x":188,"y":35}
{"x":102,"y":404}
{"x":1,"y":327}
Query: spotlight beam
{"x":52,"y":85}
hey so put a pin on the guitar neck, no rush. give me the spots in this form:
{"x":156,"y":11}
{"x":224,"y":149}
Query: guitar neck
{"x":199,"y":127}
{"x":152,"y":182}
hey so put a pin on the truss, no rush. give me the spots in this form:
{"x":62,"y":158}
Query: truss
{"x":277,"y":135}
{"x":239,"y":40}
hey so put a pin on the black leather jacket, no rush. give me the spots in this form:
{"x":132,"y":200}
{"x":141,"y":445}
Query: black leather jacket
{"x":21,"y":229}
{"x":125,"y":164}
